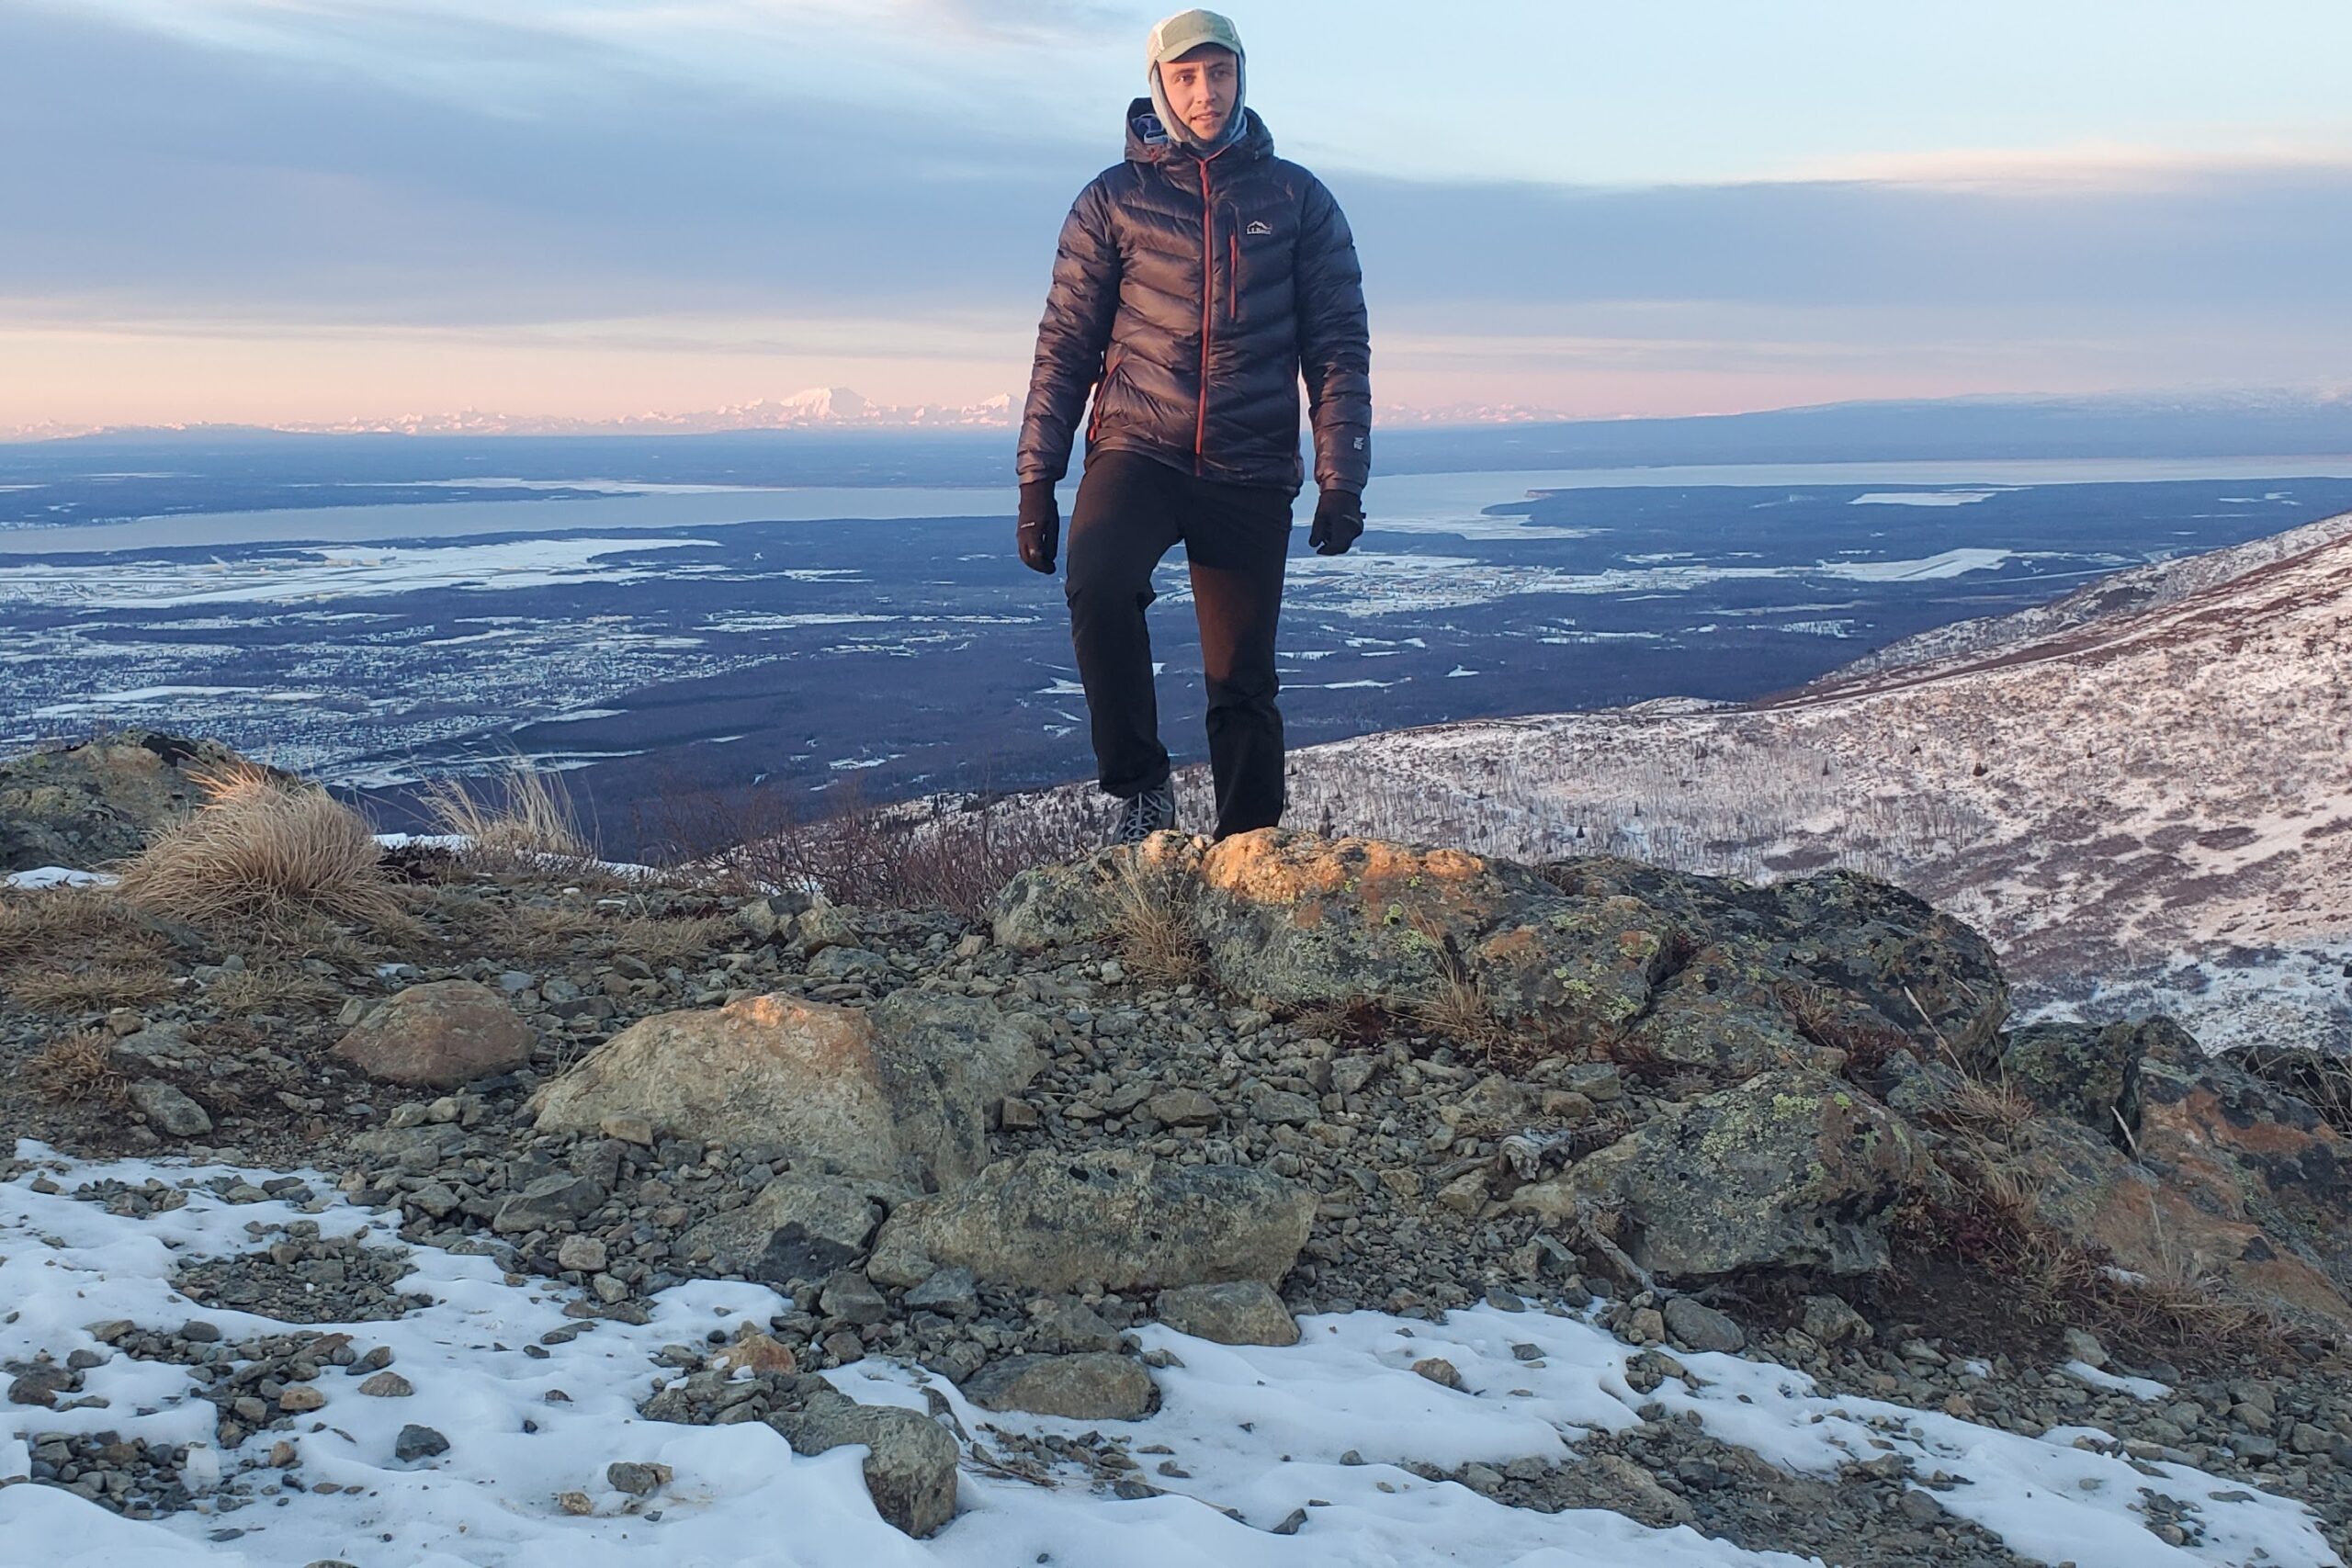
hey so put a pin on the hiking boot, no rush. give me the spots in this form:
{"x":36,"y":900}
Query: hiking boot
{"x":1145,"y":814}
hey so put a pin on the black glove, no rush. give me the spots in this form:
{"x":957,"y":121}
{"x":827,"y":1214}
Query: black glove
{"x":1339,"y":522}
{"x":1039,"y":531}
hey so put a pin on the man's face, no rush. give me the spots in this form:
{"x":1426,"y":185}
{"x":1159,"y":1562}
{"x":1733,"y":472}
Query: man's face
{"x":1200,"y":88}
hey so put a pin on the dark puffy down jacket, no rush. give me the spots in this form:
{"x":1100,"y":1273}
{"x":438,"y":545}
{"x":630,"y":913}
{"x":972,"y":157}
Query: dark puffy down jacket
{"x":1189,"y":294}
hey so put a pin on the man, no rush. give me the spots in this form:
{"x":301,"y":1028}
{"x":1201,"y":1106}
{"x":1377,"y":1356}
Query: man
{"x":1194,"y":283}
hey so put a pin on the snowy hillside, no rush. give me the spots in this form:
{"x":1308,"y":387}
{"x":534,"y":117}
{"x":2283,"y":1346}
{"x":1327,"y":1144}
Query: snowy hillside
{"x":2142,"y":794}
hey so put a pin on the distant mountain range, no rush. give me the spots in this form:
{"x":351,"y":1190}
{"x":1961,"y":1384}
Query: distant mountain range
{"x":2203,"y":424}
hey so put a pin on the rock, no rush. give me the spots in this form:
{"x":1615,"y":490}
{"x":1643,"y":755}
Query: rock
{"x":1244,"y":1312}
{"x":418,"y":1442}
{"x":758,"y":1352}
{"x":1057,"y":906}
{"x":1694,"y":1325}
{"x":1439,"y":1371}
{"x":1066,"y":1323}
{"x":636,"y":1479}
{"x":1301,"y":919}
{"x":900,"y":1092}
{"x":1868,"y":962}
{"x":1119,"y":1219}
{"x":169,"y":1110}
{"x":1184,"y":1108}
{"x":910,"y":1463}
{"x":1097,"y":1386}
{"x":2084,"y":1346}
{"x":1789,"y":1170}
{"x":1722,"y":1009}
{"x":585,"y":1254}
{"x":301,"y":1399}
{"x":2237,"y":1184}
{"x":2088,"y":1072}
{"x":438,"y":1034}
{"x":386,"y":1385}
{"x":88,"y":805}
{"x":548,"y":1203}
{"x":851,"y":1298}
{"x":795,"y":1228}
{"x":1830,"y":1320}
{"x":1622,"y":1486}
{"x":952,"y":1293}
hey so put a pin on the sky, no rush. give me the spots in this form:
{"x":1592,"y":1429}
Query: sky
{"x":310,"y":210}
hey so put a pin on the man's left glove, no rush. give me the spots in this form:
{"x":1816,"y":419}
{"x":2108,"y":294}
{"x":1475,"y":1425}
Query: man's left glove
{"x":1039,"y":530}
{"x":1339,"y":522}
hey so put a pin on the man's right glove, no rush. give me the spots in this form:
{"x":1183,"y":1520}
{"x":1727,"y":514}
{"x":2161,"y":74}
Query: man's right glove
{"x":1339,"y":522}
{"x":1039,"y":531}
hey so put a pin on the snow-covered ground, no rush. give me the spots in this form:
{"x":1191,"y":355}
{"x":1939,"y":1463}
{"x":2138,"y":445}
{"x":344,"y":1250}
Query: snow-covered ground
{"x":1260,"y":1432}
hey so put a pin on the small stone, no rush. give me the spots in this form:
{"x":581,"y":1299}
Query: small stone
{"x":757,"y":1352}
{"x":1697,"y":1326}
{"x":584,"y":1253}
{"x":852,"y":1298}
{"x":1182,"y":1108}
{"x":1096,"y":1386}
{"x":635,"y":1129}
{"x":301,"y":1399}
{"x":418,"y":1442}
{"x":953,"y":1293}
{"x":1018,"y":1115}
{"x":636,"y":1479}
{"x":1440,"y":1371}
{"x":388,"y":1386}
{"x":169,"y":1110}
{"x":1827,"y":1320}
{"x":547,"y":1203}
{"x":578,"y":1503}
{"x":2084,"y":1346}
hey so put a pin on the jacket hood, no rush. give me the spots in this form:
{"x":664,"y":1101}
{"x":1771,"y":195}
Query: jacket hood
{"x":1149,"y":142}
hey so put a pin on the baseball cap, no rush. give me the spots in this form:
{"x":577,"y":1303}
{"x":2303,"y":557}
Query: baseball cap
{"x":1186,"y":31}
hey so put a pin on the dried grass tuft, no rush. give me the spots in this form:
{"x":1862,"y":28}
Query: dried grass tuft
{"x":88,"y":987}
{"x":1152,"y":922}
{"x":272,"y":988}
{"x":263,"y":848}
{"x":77,"y":1069}
{"x":521,"y":819}
{"x":665,"y":942}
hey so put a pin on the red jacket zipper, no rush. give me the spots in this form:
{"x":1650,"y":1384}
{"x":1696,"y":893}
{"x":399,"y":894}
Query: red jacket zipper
{"x":1208,"y":311}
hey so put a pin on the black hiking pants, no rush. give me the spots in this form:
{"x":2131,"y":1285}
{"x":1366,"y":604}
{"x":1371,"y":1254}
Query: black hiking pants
{"x":1131,"y":510}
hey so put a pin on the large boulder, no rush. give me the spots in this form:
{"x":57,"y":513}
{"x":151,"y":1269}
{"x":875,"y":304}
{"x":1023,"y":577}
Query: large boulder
{"x":1865,"y":961}
{"x":1300,"y":920}
{"x":2086,"y":1072}
{"x":900,"y":1092}
{"x":1788,"y":1171}
{"x":1118,"y":1220}
{"x":1707,"y":972}
{"x":85,"y":805}
{"x":909,"y":1458}
{"x":438,"y":1035}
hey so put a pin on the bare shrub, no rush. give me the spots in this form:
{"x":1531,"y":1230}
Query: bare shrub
{"x":263,"y":847}
{"x":1152,"y":922}
{"x":76,"y":1069}
{"x":931,"y":855}
{"x":520,"y":819}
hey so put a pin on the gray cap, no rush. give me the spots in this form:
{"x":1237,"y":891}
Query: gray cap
{"x":1186,"y":31}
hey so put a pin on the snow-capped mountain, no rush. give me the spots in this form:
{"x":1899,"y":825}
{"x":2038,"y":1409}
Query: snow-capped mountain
{"x":2143,"y":793}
